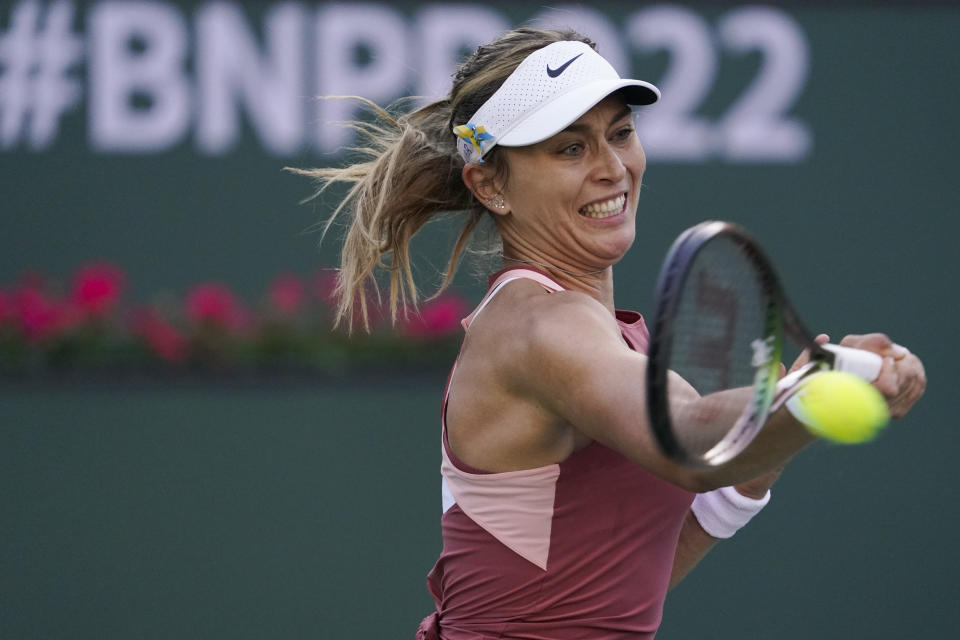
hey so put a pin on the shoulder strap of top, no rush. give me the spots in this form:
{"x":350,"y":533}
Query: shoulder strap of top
{"x":504,"y":278}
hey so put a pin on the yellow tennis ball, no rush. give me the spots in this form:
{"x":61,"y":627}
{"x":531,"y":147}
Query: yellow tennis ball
{"x":840,"y":406}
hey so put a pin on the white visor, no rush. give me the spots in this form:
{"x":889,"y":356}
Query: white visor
{"x":545,"y":94}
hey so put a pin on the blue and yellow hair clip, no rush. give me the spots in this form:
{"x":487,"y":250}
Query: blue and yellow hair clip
{"x":476,"y":135}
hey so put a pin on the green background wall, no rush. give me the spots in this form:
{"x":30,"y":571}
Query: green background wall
{"x":211,"y":510}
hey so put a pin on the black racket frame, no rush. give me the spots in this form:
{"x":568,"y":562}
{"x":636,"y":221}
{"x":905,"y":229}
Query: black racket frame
{"x":780,"y":318}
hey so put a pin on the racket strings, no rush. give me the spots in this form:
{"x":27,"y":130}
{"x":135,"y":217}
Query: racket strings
{"x":720,"y":335}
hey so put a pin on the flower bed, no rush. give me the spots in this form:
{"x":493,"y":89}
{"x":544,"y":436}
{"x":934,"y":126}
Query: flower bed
{"x":87,"y":326}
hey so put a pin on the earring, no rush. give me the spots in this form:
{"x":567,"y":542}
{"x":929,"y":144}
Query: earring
{"x":496,"y":202}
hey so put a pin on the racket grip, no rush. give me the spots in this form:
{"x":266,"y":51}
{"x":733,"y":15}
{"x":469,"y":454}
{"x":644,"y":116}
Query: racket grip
{"x":865,"y":364}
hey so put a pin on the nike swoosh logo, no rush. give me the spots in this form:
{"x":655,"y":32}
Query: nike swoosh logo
{"x":553,"y":73}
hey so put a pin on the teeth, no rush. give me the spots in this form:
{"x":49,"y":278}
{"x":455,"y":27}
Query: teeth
{"x":604,"y":209}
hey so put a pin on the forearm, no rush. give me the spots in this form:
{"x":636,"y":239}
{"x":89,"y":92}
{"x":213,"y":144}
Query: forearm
{"x":694,"y":543}
{"x":781,"y":438}
{"x":902,"y":380}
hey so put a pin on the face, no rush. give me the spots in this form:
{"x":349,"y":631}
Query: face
{"x":572,"y":199}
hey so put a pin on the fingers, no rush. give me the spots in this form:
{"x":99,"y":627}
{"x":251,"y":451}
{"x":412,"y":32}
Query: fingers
{"x":804,"y":356}
{"x":912,"y":383}
{"x":876,"y":342}
{"x":888,"y":380}
{"x":902,"y":379}
{"x":899,"y":352}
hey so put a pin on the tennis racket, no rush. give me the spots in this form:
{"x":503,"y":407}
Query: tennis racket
{"x":716,"y":344}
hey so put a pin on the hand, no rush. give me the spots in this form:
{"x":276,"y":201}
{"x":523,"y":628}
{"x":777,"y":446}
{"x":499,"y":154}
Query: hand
{"x":902,"y":379}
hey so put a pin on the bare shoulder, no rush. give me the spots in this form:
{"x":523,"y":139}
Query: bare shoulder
{"x":532,"y":334}
{"x":525,"y":316}
{"x":571,"y":318}
{"x":518,"y":358}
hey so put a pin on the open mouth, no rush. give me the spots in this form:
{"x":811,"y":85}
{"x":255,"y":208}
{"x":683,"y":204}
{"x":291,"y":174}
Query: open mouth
{"x":604,"y":208}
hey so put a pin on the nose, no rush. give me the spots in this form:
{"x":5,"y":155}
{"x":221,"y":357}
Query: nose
{"x":609,"y":165}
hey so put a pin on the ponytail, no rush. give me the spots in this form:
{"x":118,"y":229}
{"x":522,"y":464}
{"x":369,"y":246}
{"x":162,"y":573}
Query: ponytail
{"x":409,"y":171}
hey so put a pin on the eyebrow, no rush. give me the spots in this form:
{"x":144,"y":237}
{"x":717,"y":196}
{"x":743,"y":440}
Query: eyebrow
{"x":575,"y":128}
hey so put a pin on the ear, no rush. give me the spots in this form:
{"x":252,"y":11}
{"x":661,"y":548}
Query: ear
{"x":479,"y":180}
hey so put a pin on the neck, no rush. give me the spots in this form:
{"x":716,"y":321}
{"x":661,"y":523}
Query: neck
{"x":553,"y":268}
{"x":598,"y":284}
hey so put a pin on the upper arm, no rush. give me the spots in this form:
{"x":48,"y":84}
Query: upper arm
{"x":564,"y":360}
{"x":574,"y":362}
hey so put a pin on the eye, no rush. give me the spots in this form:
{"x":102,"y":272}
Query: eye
{"x":624,"y":133}
{"x":574,"y":149}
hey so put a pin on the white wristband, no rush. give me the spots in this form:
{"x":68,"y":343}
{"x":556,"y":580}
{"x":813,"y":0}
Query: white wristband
{"x":722,"y":512}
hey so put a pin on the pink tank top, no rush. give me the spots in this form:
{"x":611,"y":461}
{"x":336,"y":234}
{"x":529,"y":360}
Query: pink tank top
{"x":579,"y":549}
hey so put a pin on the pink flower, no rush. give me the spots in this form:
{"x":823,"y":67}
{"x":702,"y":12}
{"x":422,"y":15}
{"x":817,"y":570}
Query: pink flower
{"x":438,"y":317}
{"x":214,"y":304}
{"x":97,"y":288}
{"x":286,"y":294}
{"x":41,"y":316}
{"x":161,"y":336}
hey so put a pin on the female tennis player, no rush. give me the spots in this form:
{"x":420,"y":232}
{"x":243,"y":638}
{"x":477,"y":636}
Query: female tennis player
{"x":561,"y":518}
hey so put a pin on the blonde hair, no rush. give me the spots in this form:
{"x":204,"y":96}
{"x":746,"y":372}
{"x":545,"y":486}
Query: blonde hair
{"x":409,"y":171}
